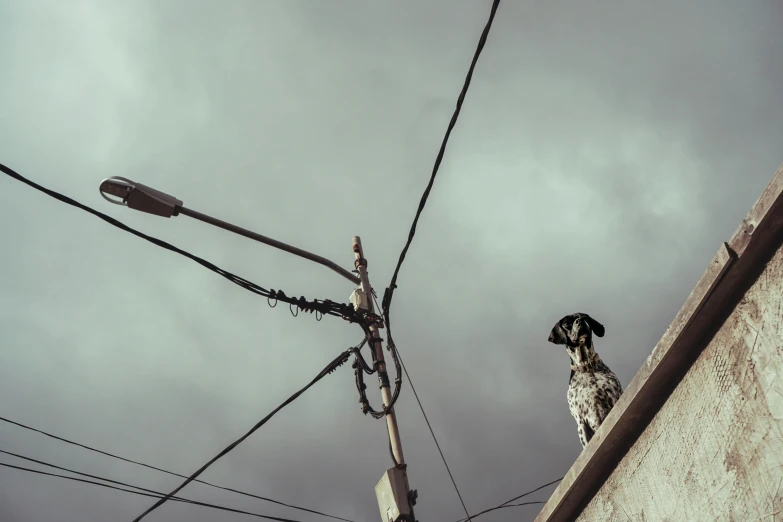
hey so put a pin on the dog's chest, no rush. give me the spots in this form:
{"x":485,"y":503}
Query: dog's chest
{"x":590,"y":391}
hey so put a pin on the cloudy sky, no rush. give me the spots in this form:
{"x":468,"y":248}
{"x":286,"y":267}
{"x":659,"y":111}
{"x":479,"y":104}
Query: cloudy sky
{"x":602,"y":156}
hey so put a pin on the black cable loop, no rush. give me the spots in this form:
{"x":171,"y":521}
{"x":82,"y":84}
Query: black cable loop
{"x":361,"y":367}
{"x":369,"y":370}
{"x":291,"y":309}
{"x":361,"y":387}
{"x":392,"y":348}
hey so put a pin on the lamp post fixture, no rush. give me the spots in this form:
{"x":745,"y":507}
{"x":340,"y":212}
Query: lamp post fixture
{"x":395,"y":499}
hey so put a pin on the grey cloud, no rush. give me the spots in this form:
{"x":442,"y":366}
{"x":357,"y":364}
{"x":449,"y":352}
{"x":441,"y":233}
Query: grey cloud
{"x":602,"y":155}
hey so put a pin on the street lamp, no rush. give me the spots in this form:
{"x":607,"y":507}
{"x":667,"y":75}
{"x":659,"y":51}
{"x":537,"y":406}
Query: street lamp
{"x":395,"y":498}
{"x":145,"y":199}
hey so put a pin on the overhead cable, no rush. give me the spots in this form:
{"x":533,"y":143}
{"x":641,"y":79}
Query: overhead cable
{"x":317,"y":306}
{"x":137,"y":490}
{"x":389,"y":293}
{"x":507,"y":503}
{"x":387,"y":298}
{"x":337,"y":362}
{"x":94,"y":450}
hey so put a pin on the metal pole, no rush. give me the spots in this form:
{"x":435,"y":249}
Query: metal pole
{"x":383,"y":377}
{"x":269,"y":241}
{"x":391,"y":419}
{"x":147,"y":199}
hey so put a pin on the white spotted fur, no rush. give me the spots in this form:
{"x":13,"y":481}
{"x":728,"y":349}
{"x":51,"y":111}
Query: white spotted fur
{"x":593,"y":389}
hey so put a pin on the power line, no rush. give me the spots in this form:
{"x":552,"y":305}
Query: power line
{"x":246,"y":284}
{"x":50,"y":465}
{"x":427,"y":420}
{"x":137,"y":491}
{"x":169,"y":472}
{"x":432,"y":432}
{"x":512,"y":505}
{"x":152,"y":492}
{"x":482,"y":41}
{"x":524,"y":504}
{"x":338,"y":361}
{"x":508,"y":503}
{"x":389,"y":294}
{"x":320,"y":307}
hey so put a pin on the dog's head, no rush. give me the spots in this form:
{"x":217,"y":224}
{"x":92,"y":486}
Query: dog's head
{"x":575,"y":327}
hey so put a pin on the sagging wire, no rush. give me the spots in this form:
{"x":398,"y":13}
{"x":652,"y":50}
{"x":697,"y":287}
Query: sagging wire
{"x":317,"y":306}
{"x":361,"y":367}
{"x":331,"y":367}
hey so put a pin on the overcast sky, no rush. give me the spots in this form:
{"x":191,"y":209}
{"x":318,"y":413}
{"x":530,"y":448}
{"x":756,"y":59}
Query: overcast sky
{"x":602,"y":156}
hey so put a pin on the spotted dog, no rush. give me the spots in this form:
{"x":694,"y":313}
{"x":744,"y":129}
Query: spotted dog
{"x":593,"y":389}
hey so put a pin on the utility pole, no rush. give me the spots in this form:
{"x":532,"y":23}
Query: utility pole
{"x":395,"y":498}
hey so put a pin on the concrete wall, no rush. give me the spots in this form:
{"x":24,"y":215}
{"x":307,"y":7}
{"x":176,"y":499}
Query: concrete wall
{"x":698,"y":432}
{"x":714,"y":451}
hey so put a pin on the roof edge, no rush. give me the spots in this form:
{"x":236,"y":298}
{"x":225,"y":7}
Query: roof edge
{"x":733,"y":270}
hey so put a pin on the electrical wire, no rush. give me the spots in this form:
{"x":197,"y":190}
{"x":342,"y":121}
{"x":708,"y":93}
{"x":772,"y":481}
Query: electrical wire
{"x":524,"y":504}
{"x":272,"y":295}
{"x":322,"y":307}
{"x":508,"y":506}
{"x":137,"y":491}
{"x":337,"y":362}
{"x":361,"y":367}
{"x":432,"y":432}
{"x":482,"y":41}
{"x":50,"y":465}
{"x":55,"y":437}
{"x":153,"y":492}
{"x":389,"y":293}
{"x":508,"y":503}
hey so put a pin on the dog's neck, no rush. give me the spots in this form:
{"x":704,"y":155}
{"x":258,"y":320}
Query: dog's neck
{"x":583,"y":357}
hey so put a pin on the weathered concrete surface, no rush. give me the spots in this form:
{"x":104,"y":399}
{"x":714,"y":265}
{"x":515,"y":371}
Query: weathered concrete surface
{"x":726,"y":283}
{"x":714,"y":451}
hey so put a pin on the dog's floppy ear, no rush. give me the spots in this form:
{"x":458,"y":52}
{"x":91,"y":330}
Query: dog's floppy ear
{"x":595,"y":326}
{"x":558,"y":335}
